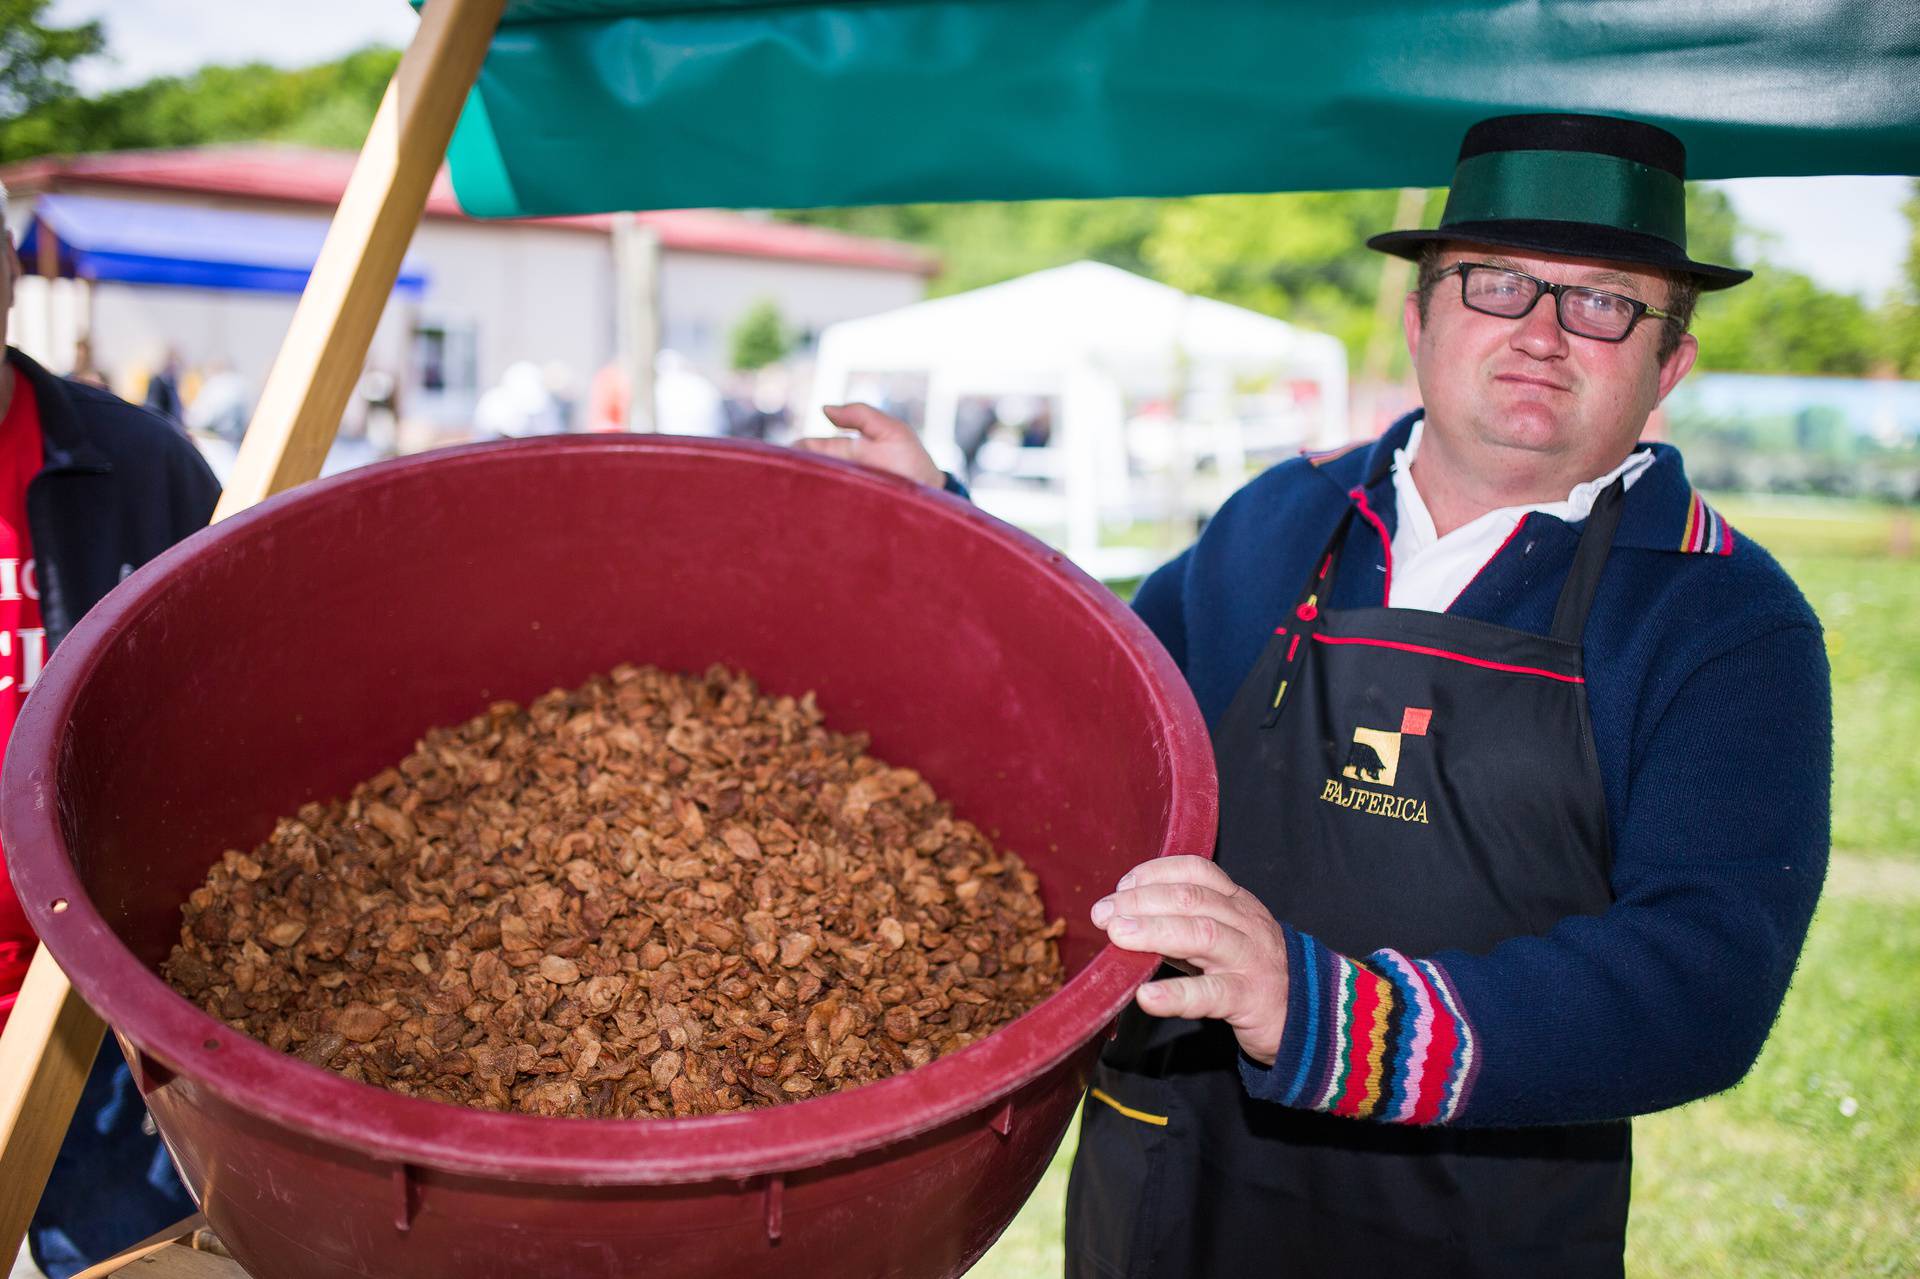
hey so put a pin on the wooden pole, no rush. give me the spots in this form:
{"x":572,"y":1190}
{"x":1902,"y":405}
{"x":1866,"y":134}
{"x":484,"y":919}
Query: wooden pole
{"x":52,"y":1036}
{"x":47,"y":267}
{"x":47,"y":262}
{"x":45,"y":1054}
{"x":319,"y":363}
{"x":1393,"y":289}
{"x":179,"y":1231}
{"x":1394,"y":273}
{"x":636,"y":275}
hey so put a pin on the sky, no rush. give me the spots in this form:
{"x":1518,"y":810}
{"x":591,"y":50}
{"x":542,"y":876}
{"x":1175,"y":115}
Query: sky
{"x":1848,"y":233}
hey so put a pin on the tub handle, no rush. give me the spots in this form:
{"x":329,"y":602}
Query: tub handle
{"x":406,"y":1197}
{"x":149,"y":1076}
{"x":775,"y":1197}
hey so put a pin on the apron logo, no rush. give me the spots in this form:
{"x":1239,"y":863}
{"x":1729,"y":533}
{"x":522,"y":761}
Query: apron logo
{"x":1374,"y":758}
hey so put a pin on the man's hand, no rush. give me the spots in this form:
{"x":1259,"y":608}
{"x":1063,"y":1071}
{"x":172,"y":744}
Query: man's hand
{"x":1188,"y":910}
{"x":885,"y":443}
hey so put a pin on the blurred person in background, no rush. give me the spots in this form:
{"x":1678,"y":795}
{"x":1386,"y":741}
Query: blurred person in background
{"x":685,"y":402}
{"x":378,"y":394}
{"x":521,"y":405}
{"x":608,"y":397}
{"x":221,"y":403}
{"x":163,"y":390}
{"x":84,"y":368}
{"x":563,"y":393}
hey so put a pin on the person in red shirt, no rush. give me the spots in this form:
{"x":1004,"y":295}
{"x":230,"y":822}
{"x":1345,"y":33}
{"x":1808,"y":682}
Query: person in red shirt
{"x":90,"y":488}
{"x":23,"y":639}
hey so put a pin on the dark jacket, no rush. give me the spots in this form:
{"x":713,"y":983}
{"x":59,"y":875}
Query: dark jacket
{"x":120,"y":485}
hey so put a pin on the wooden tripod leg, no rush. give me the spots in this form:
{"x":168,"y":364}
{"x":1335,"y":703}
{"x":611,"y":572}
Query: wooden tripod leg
{"x":52,"y":1036}
{"x":45,"y":1054}
{"x":167,"y":1238}
{"x":299,"y":411}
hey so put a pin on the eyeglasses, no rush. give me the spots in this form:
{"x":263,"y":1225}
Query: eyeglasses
{"x":1589,"y":313}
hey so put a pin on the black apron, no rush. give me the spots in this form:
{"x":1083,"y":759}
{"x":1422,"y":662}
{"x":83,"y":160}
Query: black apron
{"x":1491,"y":824}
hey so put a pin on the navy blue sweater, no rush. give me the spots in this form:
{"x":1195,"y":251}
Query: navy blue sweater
{"x":1708,"y":691}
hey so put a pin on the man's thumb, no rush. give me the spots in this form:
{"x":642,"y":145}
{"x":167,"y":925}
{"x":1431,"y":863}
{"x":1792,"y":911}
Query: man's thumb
{"x":864,"y":418}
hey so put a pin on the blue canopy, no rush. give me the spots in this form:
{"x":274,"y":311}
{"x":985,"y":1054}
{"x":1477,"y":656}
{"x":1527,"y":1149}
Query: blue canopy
{"x":148,"y":243}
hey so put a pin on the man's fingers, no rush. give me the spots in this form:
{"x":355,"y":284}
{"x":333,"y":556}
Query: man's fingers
{"x":1183,"y":897}
{"x":1178,"y":870}
{"x":1208,"y":995}
{"x":884,"y":443}
{"x":867,"y":420}
{"x":1205,"y":941}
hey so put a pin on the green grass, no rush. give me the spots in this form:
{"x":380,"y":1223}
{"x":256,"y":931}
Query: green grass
{"x":1811,"y":1167}
{"x":1869,"y":602}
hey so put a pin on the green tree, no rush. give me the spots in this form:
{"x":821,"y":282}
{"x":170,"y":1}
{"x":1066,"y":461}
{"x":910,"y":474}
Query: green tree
{"x":1301,"y":256}
{"x":1912,"y":209}
{"x":1712,"y":225}
{"x":36,"y":60}
{"x":331,"y":104}
{"x":985,"y":242}
{"x":1782,"y":322}
{"x":1900,"y":314}
{"x":760,"y":338}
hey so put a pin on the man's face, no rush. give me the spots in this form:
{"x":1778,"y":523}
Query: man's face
{"x":1525,"y":398}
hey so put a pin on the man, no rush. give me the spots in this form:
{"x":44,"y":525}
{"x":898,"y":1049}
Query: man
{"x":90,"y":488}
{"x":1524,"y":763}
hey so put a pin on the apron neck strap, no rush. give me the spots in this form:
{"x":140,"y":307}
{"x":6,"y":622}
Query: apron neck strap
{"x":1576,"y":597}
{"x":1307,"y":607}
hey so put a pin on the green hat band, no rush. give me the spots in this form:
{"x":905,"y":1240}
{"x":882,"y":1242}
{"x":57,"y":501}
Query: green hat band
{"x":1568,"y":186}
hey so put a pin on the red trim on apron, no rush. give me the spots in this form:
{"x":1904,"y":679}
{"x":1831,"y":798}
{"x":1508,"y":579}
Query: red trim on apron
{"x":1452,"y":657}
{"x":1386,"y":543}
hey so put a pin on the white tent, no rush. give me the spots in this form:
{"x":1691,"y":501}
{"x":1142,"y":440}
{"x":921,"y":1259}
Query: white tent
{"x":1093,"y":338}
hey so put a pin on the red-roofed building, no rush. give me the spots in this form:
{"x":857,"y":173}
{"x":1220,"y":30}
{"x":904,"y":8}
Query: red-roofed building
{"x":481,"y":295}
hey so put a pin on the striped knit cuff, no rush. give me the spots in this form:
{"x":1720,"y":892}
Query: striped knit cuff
{"x":1381,"y":1039}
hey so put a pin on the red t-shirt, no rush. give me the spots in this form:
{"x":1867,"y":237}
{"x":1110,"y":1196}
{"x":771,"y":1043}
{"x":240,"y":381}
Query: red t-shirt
{"x":23,"y":643}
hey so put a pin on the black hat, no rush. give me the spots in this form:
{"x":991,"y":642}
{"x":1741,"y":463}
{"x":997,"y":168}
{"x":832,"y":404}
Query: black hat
{"x":1592,"y":186}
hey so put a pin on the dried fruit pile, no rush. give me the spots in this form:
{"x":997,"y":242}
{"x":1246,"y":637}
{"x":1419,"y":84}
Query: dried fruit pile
{"x":653,"y":895}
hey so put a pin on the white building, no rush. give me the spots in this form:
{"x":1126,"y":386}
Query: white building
{"x":1128,"y":402}
{"x":202,"y":251}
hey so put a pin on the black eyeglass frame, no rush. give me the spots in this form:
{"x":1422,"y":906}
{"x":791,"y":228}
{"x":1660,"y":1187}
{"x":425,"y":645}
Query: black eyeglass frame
{"x":1559,"y":291}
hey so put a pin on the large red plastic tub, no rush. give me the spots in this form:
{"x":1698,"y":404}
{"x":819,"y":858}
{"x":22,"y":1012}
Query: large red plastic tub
{"x":289,"y":652}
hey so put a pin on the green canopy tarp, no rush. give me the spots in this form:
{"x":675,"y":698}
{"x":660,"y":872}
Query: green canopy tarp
{"x":595,"y":105}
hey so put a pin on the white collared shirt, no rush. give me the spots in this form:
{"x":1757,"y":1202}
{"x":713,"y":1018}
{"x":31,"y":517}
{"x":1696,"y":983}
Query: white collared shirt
{"x":1430,"y":571}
